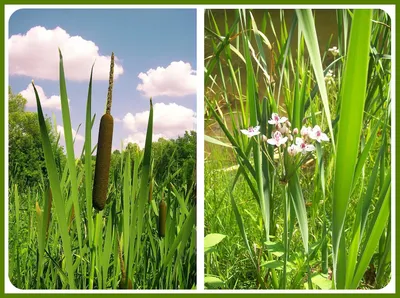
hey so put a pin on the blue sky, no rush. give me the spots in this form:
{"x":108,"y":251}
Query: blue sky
{"x":159,"y":44}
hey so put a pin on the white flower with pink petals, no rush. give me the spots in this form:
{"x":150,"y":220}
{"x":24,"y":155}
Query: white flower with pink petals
{"x":303,"y":147}
{"x":251,"y":131}
{"x":305,"y":131}
{"x":277,"y":139}
{"x":293,"y":150}
{"x":317,"y":134}
{"x":275,"y":119}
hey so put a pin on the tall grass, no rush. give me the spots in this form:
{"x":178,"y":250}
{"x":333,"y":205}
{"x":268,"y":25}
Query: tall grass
{"x":303,"y":199}
{"x":78,"y":247}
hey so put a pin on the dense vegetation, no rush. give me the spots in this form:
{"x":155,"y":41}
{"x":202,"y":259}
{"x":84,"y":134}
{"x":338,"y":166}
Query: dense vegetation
{"x":298,"y":164}
{"x":57,"y":240}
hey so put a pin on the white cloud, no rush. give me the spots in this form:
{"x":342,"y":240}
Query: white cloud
{"x":169,"y":122}
{"x":51,"y":103}
{"x":35,"y":54}
{"x":77,"y":137}
{"x":140,"y":139}
{"x":178,"y":79}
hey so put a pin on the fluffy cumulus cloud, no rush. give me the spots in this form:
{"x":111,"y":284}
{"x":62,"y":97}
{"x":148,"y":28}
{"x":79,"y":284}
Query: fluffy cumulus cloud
{"x":35,"y":54}
{"x":78,"y":137}
{"x":140,"y":139}
{"x":52,"y":103}
{"x":169,"y":122}
{"x":178,"y":79}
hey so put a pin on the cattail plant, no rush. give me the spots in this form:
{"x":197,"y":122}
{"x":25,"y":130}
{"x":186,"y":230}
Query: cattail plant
{"x":100,"y":185}
{"x":162,"y":218}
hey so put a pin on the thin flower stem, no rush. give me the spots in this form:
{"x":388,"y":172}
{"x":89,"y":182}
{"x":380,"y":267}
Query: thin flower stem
{"x":281,"y":158}
{"x":270,"y":159}
{"x":297,"y":166}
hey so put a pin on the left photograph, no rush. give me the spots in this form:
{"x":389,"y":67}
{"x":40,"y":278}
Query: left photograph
{"x":102,"y":149}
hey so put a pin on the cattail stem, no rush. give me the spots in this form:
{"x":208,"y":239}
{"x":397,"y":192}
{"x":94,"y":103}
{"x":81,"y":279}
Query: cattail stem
{"x":125,"y":282}
{"x":110,"y":85}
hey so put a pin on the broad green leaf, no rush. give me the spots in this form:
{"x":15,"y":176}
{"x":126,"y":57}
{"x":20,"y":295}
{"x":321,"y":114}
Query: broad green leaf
{"x":351,"y":114}
{"x":216,"y":142}
{"x":211,"y":240}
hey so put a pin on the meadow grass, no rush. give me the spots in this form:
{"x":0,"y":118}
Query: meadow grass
{"x":300,"y":231}
{"x":58,"y":241}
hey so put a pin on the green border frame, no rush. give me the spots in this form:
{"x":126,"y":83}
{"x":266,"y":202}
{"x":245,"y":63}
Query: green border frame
{"x":183,"y":2}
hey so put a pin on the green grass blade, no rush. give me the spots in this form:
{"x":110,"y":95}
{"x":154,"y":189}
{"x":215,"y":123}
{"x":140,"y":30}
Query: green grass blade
{"x":105,"y":259}
{"x":88,"y":160}
{"x":216,"y":142}
{"x":243,"y":233}
{"x":126,"y":209}
{"x":56,"y":191}
{"x":351,"y":114}
{"x":360,"y":221}
{"x":363,"y":157}
{"x":297,"y":200}
{"x":377,"y":225}
{"x":144,"y":180}
{"x":69,"y":143}
{"x":306,"y":23}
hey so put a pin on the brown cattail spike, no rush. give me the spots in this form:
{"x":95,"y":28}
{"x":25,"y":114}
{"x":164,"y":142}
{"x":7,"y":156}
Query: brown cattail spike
{"x":103,"y":158}
{"x":162,"y":218}
{"x":104,"y":143}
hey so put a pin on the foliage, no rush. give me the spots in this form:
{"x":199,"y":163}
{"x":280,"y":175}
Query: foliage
{"x":298,"y":229}
{"x":26,"y":162}
{"x":58,"y":241}
{"x":182,"y":151}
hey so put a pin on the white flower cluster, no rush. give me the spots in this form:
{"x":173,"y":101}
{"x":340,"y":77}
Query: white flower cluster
{"x":330,"y":77}
{"x":282,"y":134}
{"x":334,"y":51}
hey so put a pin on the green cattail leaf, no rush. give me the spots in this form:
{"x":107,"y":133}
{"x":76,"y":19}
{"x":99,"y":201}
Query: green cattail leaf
{"x":56,"y":191}
{"x":351,"y":114}
{"x":69,"y":144}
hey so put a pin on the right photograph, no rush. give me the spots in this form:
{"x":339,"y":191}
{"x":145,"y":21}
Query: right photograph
{"x":297,"y":170}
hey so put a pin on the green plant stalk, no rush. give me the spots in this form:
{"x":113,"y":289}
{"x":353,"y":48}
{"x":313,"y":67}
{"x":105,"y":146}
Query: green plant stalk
{"x":17,"y":242}
{"x":126,"y":210}
{"x":385,"y":257}
{"x":285,"y":237}
{"x":134,"y":215}
{"x":88,"y":168}
{"x":144,"y":188}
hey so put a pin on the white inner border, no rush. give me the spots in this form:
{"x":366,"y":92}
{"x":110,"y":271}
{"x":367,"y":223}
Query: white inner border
{"x":389,"y":9}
